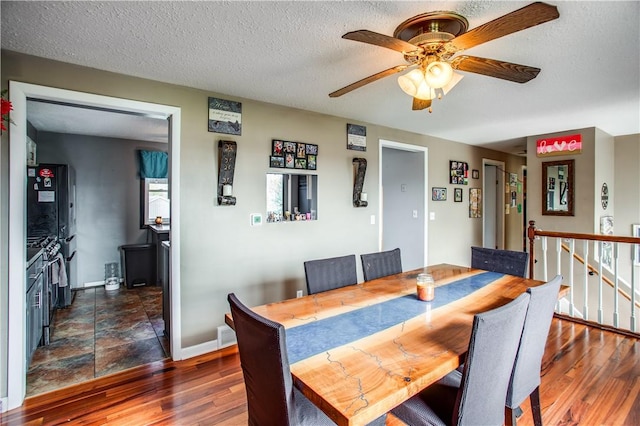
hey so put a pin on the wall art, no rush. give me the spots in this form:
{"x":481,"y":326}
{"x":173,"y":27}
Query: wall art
{"x":458,"y":172}
{"x":293,"y":155}
{"x":438,"y":194}
{"x":475,"y":202}
{"x":225,"y":116}
{"x":356,"y":137}
{"x":457,"y":195}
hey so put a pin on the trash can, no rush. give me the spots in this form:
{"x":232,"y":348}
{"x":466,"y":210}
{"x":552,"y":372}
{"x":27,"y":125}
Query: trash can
{"x":139,"y":264}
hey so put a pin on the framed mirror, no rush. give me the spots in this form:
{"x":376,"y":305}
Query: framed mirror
{"x":557,"y":188}
{"x":291,"y":197}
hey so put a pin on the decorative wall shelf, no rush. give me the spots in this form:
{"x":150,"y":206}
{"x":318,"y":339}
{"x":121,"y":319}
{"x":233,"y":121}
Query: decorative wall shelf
{"x":226,"y":167}
{"x":359,"y":197}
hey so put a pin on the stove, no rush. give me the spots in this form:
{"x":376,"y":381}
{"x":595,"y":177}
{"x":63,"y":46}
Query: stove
{"x":49,"y":247}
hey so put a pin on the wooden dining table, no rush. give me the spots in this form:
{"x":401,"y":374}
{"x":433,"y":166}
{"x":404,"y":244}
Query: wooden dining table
{"x":358,"y":351}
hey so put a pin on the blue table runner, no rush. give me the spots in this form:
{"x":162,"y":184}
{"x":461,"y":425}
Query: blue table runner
{"x":316,"y":337}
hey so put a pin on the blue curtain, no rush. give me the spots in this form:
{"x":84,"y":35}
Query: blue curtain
{"x":154,"y":164}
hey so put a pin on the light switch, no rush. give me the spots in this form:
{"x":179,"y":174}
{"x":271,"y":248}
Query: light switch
{"x":432,"y":215}
{"x":373,"y":219}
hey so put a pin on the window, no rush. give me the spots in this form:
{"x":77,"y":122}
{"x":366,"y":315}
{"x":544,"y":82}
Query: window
{"x":154,"y":200}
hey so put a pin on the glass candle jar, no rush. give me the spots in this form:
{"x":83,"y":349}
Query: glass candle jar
{"x":425,"y":287}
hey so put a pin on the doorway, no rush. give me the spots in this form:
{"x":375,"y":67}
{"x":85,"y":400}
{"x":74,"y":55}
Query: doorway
{"x":403,"y":208}
{"x":493,"y":184}
{"x":19,"y":93}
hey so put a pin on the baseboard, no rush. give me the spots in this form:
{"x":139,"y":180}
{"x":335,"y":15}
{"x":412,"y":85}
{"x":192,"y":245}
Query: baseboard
{"x":199,"y":349}
{"x":4,"y":404}
{"x":97,"y":283}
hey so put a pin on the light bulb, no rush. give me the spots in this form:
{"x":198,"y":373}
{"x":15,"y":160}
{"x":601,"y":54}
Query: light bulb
{"x":438,"y":74}
{"x":414,"y":84}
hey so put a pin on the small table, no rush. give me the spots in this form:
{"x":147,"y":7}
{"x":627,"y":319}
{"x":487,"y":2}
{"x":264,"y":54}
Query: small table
{"x":359,"y":351}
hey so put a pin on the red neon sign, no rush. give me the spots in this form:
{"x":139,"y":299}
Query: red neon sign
{"x":559,"y":145}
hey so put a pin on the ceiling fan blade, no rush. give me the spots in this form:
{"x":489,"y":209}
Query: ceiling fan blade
{"x":419,"y":104}
{"x":529,"y":16}
{"x":370,"y":37}
{"x":368,"y":80}
{"x":492,"y":68}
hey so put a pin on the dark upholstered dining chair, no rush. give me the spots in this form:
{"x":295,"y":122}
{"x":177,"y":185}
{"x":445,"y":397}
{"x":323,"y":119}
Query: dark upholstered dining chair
{"x":330,"y":273}
{"x":381,"y":264}
{"x":525,"y":378}
{"x":479,"y":398}
{"x":271,"y":397}
{"x":503,"y":261}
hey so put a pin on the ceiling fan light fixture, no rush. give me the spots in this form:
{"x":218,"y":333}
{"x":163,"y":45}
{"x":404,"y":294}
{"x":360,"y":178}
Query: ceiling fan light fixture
{"x":413,"y":84}
{"x":455,"y":79}
{"x":438,"y":74}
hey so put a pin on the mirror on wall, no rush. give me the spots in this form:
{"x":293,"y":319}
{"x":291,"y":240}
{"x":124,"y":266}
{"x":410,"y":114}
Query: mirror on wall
{"x":291,"y":197}
{"x":557,"y":188}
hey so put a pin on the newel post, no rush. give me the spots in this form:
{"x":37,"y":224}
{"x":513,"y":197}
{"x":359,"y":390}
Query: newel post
{"x":531,"y":233}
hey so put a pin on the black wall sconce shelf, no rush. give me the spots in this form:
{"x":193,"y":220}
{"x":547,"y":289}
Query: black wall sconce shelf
{"x":226,"y":167}
{"x":359,"y":197}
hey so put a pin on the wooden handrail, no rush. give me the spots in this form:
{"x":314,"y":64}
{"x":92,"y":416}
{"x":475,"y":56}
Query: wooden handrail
{"x":533,"y":232}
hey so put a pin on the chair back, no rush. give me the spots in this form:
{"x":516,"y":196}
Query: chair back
{"x":381,"y":264}
{"x":330,"y":273}
{"x":525,"y":377}
{"x":503,"y":261}
{"x":495,"y":337}
{"x":265,"y":365}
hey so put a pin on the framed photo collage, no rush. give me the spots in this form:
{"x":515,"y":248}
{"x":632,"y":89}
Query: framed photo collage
{"x":293,"y":155}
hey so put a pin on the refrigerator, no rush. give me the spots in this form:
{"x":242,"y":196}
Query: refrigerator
{"x":51,"y":212}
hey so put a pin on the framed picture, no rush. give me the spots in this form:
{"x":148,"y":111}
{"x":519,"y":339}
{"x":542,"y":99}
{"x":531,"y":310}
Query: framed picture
{"x":438,"y":194}
{"x":475,"y":202}
{"x":301,"y":163}
{"x":275,"y":161}
{"x":277,"y":148}
{"x":457,"y":195}
{"x":458,"y":172}
{"x":606,"y":228}
{"x":356,"y":137}
{"x":225,"y":116}
{"x":636,"y":249}
{"x":311,"y":162}
{"x":289,"y":147}
{"x":475,"y":174}
{"x":301,"y":151}
{"x":513,"y":179}
{"x":312,"y":149}
{"x":289,"y":162}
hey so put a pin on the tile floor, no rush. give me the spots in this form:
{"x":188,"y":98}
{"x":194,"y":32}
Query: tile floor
{"x":102,"y":332}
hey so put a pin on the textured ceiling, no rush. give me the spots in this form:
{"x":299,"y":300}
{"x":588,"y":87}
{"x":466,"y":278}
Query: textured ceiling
{"x":292,"y":53}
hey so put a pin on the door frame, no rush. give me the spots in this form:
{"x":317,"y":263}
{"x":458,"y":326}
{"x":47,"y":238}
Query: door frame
{"x":500,"y":223}
{"x":411,"y":148}
{"x":19,"y":93}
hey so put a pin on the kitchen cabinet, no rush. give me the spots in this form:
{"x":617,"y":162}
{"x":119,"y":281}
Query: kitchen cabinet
{"x":166,"y":287}
{"x":159,"y":233}
{"x":34,"y":310}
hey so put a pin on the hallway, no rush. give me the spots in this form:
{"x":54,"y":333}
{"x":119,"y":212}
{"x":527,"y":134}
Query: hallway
{"x":102,"y":332}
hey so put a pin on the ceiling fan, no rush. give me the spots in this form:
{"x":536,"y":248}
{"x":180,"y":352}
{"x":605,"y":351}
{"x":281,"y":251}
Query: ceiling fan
{"x":429,"y":42}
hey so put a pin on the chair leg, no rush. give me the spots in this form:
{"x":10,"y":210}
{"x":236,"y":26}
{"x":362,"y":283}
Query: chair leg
{"x":535,"y":407}
{"x":510,"y":418}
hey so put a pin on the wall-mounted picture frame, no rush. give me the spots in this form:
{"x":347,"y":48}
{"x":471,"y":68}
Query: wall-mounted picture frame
{"x":276,"y":162}
{"x":225,"y":116}
{"x":457,"y":195}
{"x":293,"y":155}
{"x":438,"y":194}
{"x":475,"y":203}
{"x":458,"y":172}
{"x":356,"y":137}
{"x":475,"y":173}
{"x":277,"y":148}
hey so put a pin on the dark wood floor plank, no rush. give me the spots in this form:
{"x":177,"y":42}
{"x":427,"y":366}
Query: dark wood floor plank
{"x":589,"y":376}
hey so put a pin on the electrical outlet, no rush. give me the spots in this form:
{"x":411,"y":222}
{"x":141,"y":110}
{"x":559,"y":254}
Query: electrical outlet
{"x":299,"y":293}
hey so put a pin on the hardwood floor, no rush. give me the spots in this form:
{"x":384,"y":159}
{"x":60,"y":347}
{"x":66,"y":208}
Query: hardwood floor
{"x":590,"y":377}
